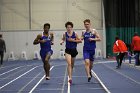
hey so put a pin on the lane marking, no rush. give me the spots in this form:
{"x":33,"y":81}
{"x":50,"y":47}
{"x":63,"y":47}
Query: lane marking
{"x":132,"y":66}
{"x":1,"y":79}
{"x":95,"y":88}
{"x":64,"y":80}
{"x":14,"y":69}
{"x":39,"y":81}
{"x":102,"y":84}
{"x":17,"y":78}
{"x":52,"y":89}
{"x":1,"y":67}
{"x":57,"y":77}
{"x":11,"y":70}
{"x":79,"y":76}
{"x":12,"y":74}
{"x":20,"y":91}
{"x":68,"y":91}
{"x":99,"y":62}
{"x":123,"y":75}
{"x":66,"y":65}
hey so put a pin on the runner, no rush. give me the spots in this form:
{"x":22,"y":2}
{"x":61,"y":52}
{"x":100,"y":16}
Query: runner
{"x":119,"y":49}
{"x":71,"y":38}
{"x":45,"y":40}
{"x":136,"y":47}
{"x":90,"y":36}
{"x":2,"y":48}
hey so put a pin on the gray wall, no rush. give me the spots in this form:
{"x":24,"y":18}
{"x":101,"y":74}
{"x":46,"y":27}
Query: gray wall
{"x":22,"y":20}
{"x":25,"y":15}
{"x":21,"y":41}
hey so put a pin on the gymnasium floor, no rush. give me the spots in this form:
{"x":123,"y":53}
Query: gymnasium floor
{"x":28,"y":77}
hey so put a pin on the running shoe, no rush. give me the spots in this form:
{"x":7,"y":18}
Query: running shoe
{"x":117,"y":67}
{"x":70,"y":81}
{"x":89,"y":78}
{"x":91,"y":74}
{"x":47,"y":78}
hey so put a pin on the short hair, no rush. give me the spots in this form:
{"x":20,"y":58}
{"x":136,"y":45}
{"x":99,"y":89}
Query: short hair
{"x":69,"y":23}
{"x":46,"y":24}
{"x":0,"y":35}
{"x":87,"y":20}
{"x":116,"y":38}
{"x":136,"y":34}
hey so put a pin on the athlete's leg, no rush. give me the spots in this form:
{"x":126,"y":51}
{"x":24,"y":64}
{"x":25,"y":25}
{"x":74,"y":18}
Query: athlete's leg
{"x":138,"y":57}
{"x":92,"y":53}
{"x":69,"y":65}
{"x":47,"y":65}
{"x":0,"y":59}
{"x":91,"y":66}
{"x":72,"y":62}
{"x":1,"y":55}
{"x":86,"y":56}
{"x":87,"y":67}
{"x":118,"y":60}
{"x":121,"y":58}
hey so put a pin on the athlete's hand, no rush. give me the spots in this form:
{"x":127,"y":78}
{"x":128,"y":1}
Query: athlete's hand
{"x":61,"y":43}
{"x":71,"y":40}
{"x":82,"y":38}
{"x":91,"y":39}
{"x":52,"y":43}
{"x":42,"y":41}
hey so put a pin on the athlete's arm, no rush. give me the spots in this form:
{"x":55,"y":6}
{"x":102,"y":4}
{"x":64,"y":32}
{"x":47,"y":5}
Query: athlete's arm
{"x":4,"y":45}
{"x":63,"y":39}
{"x":38,"y":40}
{"x":52,"y":38}
{"x":132,"y":44}
{"x":78,"y":40}
{"x":82,"y":36}
{"x":97,"y":37}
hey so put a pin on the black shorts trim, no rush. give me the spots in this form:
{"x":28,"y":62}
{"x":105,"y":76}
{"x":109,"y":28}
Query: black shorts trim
{"x":72,"y":52}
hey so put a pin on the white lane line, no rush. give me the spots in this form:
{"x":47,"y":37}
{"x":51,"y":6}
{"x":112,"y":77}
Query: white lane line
{"x":68,"y":91}
{"x":54,"y":89}
{"x":95,"y":88}
{"x":8,"y":77}
{"x":2,"y":67}
{"x":1,"y":79}
{"x":102,"y":84}
{"x":132,"y":66}
{"x":101,"y":62}
{"x":14,"y":69}
{"x":11,"y":70}
{"x":39,"y":81}
{"x":123,"y":75}
{"x":79,"y":76}
{"x":104,"y":62}
{"x":20,"y":91}
{"x":17,"y":78}
{"x":66,"y":64}
{"x":64,"y":81}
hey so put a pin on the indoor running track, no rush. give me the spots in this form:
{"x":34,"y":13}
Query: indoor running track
{"x":28,"y":77}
